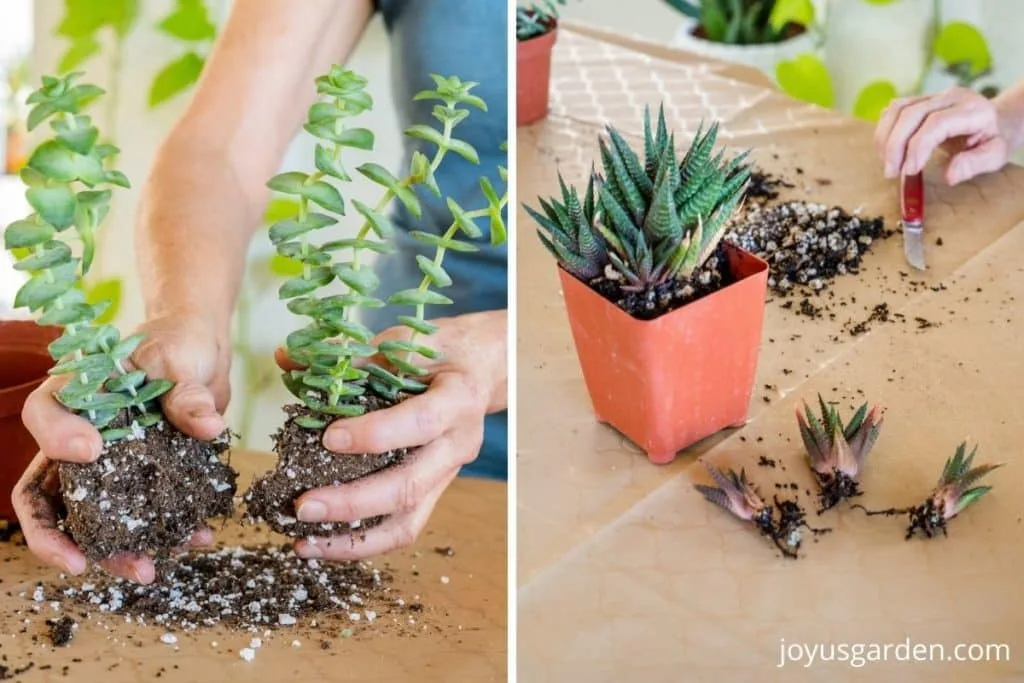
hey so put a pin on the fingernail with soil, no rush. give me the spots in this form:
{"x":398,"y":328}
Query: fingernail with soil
{"x":81,"y":448}
{"x":313,"y":511}
{"x":337,"y":439}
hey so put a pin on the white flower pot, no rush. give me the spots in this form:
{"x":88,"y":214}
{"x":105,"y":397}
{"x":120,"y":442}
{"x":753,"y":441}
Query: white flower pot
{"x":762,"y":57}
{"x":868,"y":43}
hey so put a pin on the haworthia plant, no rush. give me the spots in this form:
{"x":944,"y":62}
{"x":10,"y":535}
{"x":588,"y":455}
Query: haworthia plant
{"x":332,"y":345}
{"x":653,"y":220}
{"x":68,"y":183}
{"x":536,"y":18}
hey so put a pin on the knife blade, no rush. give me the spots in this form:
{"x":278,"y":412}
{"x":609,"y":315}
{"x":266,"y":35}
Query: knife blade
{"x":912,"y":215}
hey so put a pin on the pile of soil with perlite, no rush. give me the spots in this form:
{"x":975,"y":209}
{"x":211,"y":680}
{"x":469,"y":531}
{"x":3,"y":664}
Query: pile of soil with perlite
{"x":304,"y":464}
{"x":806,"y":245}
{"x":146,"y":493}
{"x":243,"y":588}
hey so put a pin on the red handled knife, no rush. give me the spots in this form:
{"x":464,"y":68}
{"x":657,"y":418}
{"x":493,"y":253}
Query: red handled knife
{"x":912,"y":209}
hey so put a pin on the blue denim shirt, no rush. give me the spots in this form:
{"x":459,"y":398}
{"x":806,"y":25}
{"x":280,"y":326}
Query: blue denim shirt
{"x":468,"y":39}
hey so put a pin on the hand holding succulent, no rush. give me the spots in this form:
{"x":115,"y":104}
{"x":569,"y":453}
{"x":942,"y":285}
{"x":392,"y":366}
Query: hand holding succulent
{"x":835,"y":451}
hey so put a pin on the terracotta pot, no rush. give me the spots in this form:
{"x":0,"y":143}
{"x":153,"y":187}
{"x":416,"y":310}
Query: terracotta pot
{"x":533,"y":76}
{"x":667,"y":383}
{"x":24,"y":363}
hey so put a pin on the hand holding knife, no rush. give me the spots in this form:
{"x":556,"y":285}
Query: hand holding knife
{"x":912,"y":214}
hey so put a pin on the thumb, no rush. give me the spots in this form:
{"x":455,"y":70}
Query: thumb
{"x":191,"y":407}
{"x":987,"y":157}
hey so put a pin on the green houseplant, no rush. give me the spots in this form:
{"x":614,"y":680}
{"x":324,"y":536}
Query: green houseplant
{"x":68,"y":185}
{"x":536,"y":33}
{"x":757,"y":33}
{"x":342,"y":372}
{"x":649,"y":282}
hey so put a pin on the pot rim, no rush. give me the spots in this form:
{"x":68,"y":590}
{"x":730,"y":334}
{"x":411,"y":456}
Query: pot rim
{"x":688,"y":25}
{"x":552,"y":28}
{"x":762,"y":267}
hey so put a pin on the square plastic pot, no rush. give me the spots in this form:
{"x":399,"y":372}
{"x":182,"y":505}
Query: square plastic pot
{"x":533,"y":77}
{"x":667,"y":383}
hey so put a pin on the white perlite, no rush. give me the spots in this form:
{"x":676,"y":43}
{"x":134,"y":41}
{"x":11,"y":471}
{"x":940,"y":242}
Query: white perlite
{"x":169,"y":638}
{"x":247,"y":653}
{"x":255,"y":643}
{"x":79,"y":494}
{"x":285,"y":619}
{"x":445,"y":579}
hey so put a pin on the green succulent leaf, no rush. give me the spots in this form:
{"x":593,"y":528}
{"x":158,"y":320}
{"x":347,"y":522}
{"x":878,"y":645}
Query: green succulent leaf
{"x":27,"y":233}
{"x":55,"y":205}
{"x":417,"y":325}
{"x":153,"y":389}
{"x":418,"y":297}
{"x":387,"y":179}
{"x":175,"y":78}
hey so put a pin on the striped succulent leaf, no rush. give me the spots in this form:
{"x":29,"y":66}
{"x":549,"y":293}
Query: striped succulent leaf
{"x":653,"y":219}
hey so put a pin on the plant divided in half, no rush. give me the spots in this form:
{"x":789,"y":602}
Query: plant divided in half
{"x":341,"y":373}
{"x":646,"y":233}
{"x":112,"y":505}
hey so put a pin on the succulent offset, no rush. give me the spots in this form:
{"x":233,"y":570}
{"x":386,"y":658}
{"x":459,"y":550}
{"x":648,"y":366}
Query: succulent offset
{"x":334,"y":347}
{"x":68,"y":179}
{"x":536,"y":18}
{"x":653,"y":220}
{"x":954,"y":493}
{"x":738,"y":496}
{"x":836,"y":451}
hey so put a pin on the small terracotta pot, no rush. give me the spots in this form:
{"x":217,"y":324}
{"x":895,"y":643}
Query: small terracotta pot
{"x":24,"y":363}
{"x":667,"y":383}
{"x":533,"y":76}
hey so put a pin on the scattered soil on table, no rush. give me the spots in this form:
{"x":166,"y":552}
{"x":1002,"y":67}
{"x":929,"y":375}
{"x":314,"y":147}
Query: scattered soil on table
{"x":147,"y":493}
{"x":61,"y":630}
{"x":764,"y":186}
{"x":806,"y":245}
{"x":658,"y":300}
{"x":252,"y":588}
{"x":926,"y":518}
{"x":785,"y":523}
{"x":835,"y":488}
{"x":303,"y":464}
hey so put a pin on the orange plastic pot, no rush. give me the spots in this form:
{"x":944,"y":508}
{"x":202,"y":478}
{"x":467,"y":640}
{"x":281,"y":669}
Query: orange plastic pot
{"x":24,"y":364}
{"x":667,"y":383}
{"x":533,"y":76}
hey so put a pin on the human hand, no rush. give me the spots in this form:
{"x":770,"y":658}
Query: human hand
{"x":187,"y":349}
{"x":444,"y":425}
{"x":965,"y":124}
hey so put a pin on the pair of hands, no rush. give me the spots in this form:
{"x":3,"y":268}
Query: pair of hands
{"x":444,"y":425}
{"x":976,"y":133}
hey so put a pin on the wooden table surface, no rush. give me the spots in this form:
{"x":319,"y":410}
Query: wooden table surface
{"x":465,"y":638}
{"x":624,"y":571}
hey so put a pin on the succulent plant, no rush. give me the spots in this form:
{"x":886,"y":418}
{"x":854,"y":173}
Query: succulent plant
{"x":836,"y":451}
{"x":742,"y":22}
{"x":334,"y":347}
{"x":536,"y":18}
{"x":68,"y":179}
{"x":738,"y":496}
{"x":954,"y":493}
{"x":653,"y":220}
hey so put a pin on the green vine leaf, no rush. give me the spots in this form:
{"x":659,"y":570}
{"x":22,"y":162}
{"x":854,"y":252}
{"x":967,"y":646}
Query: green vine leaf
{"x":80,"y":51}
{"x":791,"y":12}
{"x":806,"y":78}
{"x":190,"y":21}
{"x":175,"y":78}
{"x":284,"y":266}
{"x":873,"y":100}
{"x":103,"y":291}
{"x":961,"y":43}
{"x":280,"y":209}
